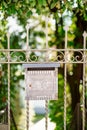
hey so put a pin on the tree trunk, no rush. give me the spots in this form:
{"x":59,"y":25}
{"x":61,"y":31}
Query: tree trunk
{"x":74,"y":80}
{"x":76,"y":120}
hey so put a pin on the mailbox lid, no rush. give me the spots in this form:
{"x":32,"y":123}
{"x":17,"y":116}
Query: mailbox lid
{"x":41,"y":65}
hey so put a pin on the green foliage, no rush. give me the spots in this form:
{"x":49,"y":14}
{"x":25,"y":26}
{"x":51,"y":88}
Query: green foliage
{"x":56,"y":107}
{"x":37,"y":118}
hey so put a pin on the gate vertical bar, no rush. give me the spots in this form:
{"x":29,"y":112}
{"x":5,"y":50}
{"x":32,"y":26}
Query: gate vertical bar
{"x":8,"y":37}
{"x":27,"y":101}
{"x":46,"y":33}
{"x":27,"y":113}
{"x":46,"y":102}
{"x":65,"y":76}
{"x":84,"y":79}
{"x":46,"y":116}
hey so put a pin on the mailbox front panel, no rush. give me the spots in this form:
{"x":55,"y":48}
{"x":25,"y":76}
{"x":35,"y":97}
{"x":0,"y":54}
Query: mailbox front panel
{"x":41,"y":84}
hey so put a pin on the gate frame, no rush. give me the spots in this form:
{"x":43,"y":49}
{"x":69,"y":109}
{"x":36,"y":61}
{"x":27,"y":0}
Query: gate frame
{"x":65,"y":61}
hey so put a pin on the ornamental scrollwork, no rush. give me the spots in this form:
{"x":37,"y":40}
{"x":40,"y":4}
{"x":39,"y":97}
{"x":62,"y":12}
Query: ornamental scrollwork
{"x":56,"y":55}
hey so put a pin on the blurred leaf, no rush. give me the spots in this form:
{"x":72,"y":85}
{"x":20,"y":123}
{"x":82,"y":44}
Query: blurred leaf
{"x":42,"y":2}
{"x":53,"y":5}
{"x":29,"y":13}
{"x":5,"y":4}
{"x":85,"y":16}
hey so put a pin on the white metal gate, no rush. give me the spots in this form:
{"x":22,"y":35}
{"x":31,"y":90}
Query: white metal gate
{"x":66,"y":59}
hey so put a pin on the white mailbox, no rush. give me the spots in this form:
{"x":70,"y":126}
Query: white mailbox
{"x":41,"y":81}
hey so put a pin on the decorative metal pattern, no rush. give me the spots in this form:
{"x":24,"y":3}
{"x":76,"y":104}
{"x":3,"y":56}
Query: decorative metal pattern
{"x":61,"y":56}
{"x":35,"y":55}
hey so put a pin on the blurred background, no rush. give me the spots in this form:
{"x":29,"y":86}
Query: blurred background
{"x":14,"y":16}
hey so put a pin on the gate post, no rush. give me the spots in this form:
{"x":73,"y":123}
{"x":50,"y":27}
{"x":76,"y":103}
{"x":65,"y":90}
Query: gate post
{"x":27,"y":101}
{"x":65,"y":75}
{"x":46,"y":102}
{"x":84,"y":79}
{"x":8,"y":38}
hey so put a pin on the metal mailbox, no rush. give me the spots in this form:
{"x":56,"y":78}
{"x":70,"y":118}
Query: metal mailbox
{"x":41,"y":81}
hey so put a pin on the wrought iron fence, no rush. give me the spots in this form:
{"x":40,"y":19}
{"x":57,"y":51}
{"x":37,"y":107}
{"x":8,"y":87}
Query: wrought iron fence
{"x":62,"y":56}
